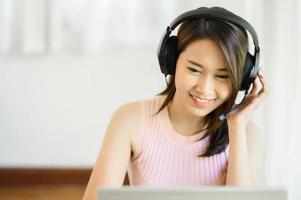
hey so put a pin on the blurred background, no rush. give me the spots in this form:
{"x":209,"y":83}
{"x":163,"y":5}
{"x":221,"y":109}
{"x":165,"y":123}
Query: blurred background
{"x":67,"y":65}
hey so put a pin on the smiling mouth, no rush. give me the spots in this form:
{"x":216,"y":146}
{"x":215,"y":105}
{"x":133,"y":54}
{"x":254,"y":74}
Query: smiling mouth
{"x":201,"y":100}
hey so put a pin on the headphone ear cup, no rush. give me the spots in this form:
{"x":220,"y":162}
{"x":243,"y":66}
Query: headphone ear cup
{"x":171,"y":54}
{"x":248,"y":66}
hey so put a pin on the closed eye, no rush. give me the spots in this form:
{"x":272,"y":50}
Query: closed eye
{"x":223,"y":76}
{"x":192,"y":70}
{"x":218,"y":76}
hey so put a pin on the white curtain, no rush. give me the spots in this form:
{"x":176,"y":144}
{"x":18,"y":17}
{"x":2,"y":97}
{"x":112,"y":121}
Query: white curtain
{"x":93,"y":26}
{"x":81,"y":26}
{"x":282,"y":28}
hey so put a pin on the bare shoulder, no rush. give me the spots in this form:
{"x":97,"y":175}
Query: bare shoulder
{"x":130,"y":110}
{"x":114,"y":156}
{"x":128,"y":117}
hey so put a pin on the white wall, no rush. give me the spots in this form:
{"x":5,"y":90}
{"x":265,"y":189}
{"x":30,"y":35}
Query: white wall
{"x":54,"y":110}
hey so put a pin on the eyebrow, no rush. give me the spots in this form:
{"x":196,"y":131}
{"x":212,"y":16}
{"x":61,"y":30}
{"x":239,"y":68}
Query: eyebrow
{"x":201,"y":66}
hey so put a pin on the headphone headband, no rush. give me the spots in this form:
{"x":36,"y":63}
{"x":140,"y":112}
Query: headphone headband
{"x":218,"y":14}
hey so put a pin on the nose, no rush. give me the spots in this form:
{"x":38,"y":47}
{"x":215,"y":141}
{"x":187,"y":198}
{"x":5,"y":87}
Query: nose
{"x":206,"y":85}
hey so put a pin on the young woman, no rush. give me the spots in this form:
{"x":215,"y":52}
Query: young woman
{"x":178,"y":137}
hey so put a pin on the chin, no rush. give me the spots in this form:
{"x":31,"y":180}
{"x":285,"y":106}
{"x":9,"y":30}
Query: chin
{"x":198,"y":112}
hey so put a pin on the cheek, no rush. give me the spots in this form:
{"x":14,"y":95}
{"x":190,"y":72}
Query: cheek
{"x":226,"y":90}
{"x":184,"y":81}
{"x":181,"y":79}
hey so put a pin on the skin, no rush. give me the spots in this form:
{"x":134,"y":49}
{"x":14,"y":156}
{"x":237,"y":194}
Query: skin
{"x":244,"y":164}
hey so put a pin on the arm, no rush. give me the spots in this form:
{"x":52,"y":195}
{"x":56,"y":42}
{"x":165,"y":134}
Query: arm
{"x":244,"y":166}
{"x":114,"y":156}
{"x":245,"y":161}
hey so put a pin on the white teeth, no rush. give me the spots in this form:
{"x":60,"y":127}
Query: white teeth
{"x":201,"y":100}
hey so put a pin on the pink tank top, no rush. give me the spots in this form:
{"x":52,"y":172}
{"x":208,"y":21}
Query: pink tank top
{"x":166,"y":158}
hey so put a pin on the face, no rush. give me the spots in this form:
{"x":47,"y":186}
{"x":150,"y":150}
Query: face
{"x":202,"y":80}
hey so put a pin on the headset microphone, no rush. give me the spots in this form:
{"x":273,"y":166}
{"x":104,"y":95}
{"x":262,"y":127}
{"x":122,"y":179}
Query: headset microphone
{"x":224,"y":116}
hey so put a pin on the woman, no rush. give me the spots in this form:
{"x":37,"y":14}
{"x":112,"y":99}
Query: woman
{"x":179,"y":137}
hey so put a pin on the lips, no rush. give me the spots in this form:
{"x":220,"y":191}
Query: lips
{"x":201,"y":99}
{"x":200,"y":102}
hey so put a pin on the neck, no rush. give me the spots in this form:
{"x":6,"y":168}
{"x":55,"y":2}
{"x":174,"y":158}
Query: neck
{"x":184,"y":123}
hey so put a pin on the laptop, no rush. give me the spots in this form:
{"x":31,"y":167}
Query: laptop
{"x":192,"y":193}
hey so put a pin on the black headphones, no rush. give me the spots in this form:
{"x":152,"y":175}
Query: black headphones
{"x":167,"y":51}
